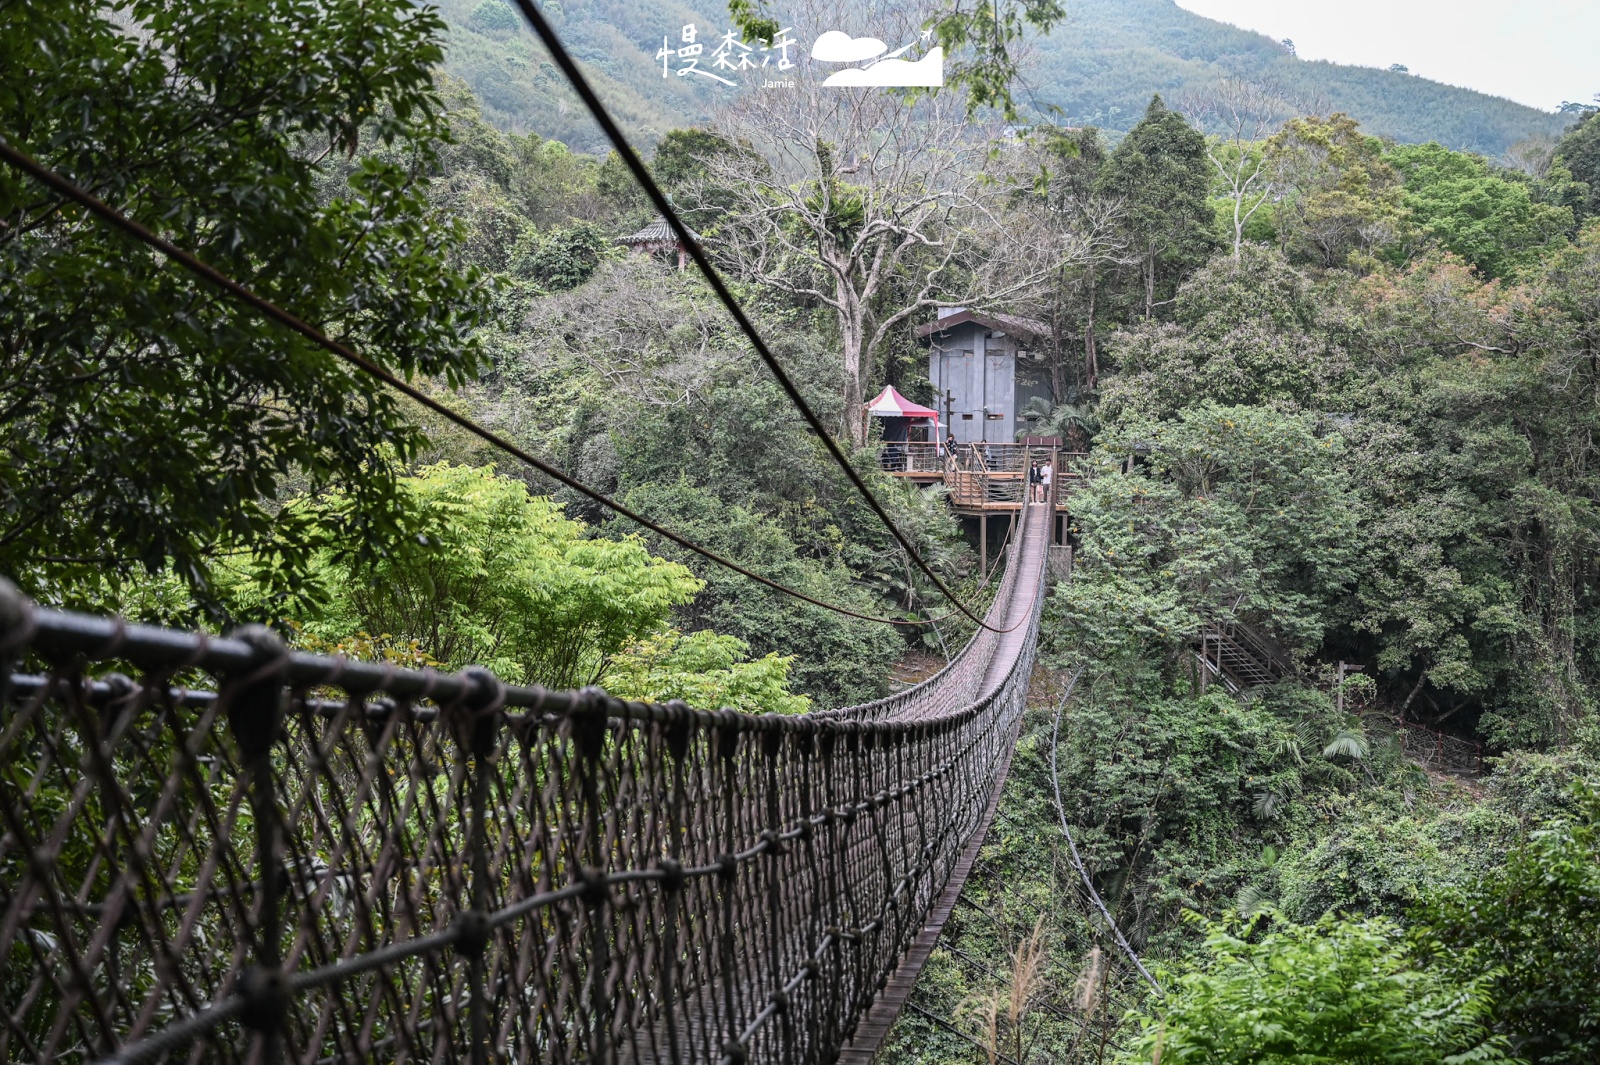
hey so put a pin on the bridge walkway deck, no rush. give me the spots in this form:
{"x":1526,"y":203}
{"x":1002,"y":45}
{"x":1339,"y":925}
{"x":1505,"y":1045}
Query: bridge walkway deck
{"x":1014,"y":646}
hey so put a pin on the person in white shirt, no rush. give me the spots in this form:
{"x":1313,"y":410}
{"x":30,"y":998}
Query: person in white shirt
{"x":1045,"y":474}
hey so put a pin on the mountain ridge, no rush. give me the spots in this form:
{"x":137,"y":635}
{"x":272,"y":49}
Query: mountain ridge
{"x":1100,"y":68}
{"x":1126,"y":50}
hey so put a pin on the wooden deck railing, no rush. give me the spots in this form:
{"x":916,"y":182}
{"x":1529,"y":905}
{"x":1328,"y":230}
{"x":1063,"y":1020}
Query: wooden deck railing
{"x":980,"y":475}
{"x":912,"y":458}
{"x":976,"y":489}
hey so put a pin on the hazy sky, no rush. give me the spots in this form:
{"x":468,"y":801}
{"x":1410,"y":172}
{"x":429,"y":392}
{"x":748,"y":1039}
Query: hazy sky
{"x":1539,"y":52}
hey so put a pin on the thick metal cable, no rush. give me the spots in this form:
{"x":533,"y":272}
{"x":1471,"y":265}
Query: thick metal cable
{"x":44,"y":175}
{"x":1077,"y":859}
{"x":659,"y":199}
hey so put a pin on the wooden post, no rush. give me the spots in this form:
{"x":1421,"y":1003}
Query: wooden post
{"x":1345,"y":669}
{"x":983,"y":545}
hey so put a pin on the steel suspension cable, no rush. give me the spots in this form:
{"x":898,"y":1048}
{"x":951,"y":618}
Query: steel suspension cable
{"x":686,"y":240}
{"x":50,"y":178}
{"x":1077,"y":859}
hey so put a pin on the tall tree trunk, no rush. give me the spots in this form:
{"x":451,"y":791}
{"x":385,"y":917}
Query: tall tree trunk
{"x":1055,"y":352}
{"x":1238,"y":223}
{"x":855,"y":372}
{"x":1091,"y":362}
{"x":855,"y":419}
{"x":1150,"y":284}
{"x":852,"y":315}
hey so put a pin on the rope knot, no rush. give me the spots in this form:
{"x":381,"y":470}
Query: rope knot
{"x":266,"y":998}
{"x":471,"y":931}
{"x":476,"y":715}
{"x":595,"y":885}
{"x":255,"y":698}
{"x":17,"y":623}
{"x":588,"y":716}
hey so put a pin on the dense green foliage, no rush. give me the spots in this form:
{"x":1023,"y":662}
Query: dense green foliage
{"x":1236,"y":512}
{"x":839,"y":660}
{"x":1342,"y":197}
{"x":139,"y":403}
{"x":1493,"y":223}
{"x":489,"y":575}
{"x":1338,"y":991}
{"x":1535,"y":924}
{"x":703,"y":669}
{"x":1410,"y":375}
{"x":1579,"y":155}
{"x":1160,"y":175}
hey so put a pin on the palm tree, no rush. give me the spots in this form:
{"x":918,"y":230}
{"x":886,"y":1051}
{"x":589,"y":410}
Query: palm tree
{"x":1075,"y":423}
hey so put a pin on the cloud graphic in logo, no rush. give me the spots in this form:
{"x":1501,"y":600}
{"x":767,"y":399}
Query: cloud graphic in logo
{"x":836,"y":47}
{"x":925,"y":73}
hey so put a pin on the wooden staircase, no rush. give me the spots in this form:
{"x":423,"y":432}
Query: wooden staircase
{"x":1240,"y":658}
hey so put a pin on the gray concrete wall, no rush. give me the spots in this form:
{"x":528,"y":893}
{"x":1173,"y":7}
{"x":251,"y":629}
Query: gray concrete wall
{"x":975,"y":378}
{"x":1033,"y":379}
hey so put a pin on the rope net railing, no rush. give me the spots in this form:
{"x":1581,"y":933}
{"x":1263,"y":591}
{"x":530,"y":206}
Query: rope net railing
{"x":231,"y":851}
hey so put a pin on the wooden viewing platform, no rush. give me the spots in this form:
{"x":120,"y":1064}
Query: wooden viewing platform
{"x":986,"y":480}
{"x":983,"y":478}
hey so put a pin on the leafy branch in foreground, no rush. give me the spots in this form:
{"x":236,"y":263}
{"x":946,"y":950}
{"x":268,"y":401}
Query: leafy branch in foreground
{"x":153,"y":425}
{"x":1339,"y":990}
{"x":991,"y":34}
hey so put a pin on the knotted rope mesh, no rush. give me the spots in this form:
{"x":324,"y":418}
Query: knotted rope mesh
{"x":242,"y":853}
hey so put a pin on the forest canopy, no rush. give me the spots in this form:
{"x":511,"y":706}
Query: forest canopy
{"x":1328,"y":385}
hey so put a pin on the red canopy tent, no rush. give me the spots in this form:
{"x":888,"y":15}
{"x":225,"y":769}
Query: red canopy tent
{"x":899,"y":412}
{"x":891,"y":404}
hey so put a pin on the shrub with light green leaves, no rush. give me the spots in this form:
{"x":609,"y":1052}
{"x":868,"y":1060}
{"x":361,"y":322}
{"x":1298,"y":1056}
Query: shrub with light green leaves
{"x":706,"y":670}
{"x":493,"y":576}
{"x":1337,"y":991}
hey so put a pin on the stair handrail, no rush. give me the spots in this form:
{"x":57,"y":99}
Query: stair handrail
{"x":1264,"y":647}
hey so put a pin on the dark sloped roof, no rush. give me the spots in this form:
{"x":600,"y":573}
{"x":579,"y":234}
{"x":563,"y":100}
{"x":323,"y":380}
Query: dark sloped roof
{"x":1014,"y":324}
{"x":657,"y":232}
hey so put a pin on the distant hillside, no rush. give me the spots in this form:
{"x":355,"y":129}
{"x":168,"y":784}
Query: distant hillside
{"x":1102,"y":66}
{"x":615,"y":40}
{"x":1099,"y":69}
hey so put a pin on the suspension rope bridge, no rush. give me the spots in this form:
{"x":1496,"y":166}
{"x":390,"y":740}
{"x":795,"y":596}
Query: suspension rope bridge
{"x":246,"y":853}
{"x":241,"y":852}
